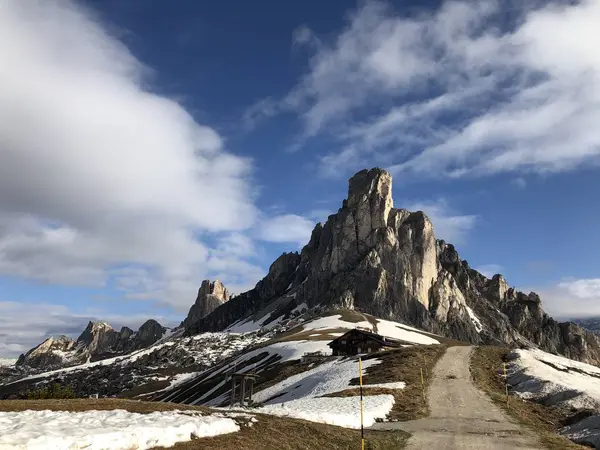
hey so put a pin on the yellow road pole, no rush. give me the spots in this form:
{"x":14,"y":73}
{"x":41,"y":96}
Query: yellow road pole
{"x":362,"y":430}
{"x":422,"y":385}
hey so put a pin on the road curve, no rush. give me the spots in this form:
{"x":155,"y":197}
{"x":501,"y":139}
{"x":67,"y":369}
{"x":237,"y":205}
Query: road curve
{"x":462,"y":417}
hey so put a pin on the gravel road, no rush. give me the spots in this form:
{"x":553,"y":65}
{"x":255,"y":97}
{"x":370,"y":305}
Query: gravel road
{"x":461,"y":416}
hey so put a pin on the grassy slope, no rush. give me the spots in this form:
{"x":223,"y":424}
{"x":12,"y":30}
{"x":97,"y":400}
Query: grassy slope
{"x":544,"y":420}
{"x":269,"y":433}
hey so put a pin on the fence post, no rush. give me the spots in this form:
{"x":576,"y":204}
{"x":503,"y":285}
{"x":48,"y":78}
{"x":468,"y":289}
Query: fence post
{"x":362,"y":430}
{"x":422,"y":385}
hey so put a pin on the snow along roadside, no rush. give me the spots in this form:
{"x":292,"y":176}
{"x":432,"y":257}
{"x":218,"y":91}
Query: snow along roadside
{"x":115,"y":430}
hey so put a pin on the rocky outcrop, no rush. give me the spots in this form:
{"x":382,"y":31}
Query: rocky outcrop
{"x":210,"y":297}
{"x":97,"y":341}
{"x":150,"y":332}
{"x":48,"y":353}
{"x":385,"y":261}
{"x":98,"y":337}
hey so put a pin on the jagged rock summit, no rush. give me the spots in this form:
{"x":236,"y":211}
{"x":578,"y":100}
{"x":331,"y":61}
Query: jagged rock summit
{"x":210,"y":297}
{"x":98,"y":341}
{"x":385,"y":261}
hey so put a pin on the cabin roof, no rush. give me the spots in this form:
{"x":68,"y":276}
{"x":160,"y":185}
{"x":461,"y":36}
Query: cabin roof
{"x":383,"y":340}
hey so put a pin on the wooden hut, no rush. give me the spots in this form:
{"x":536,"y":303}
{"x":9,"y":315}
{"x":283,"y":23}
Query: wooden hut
{"x":361,"y":341}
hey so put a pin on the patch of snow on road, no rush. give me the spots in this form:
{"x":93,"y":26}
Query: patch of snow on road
{"x":534,"y":374}
{"x":327,"y":378}
{"x":475,"y":320}
{"x":403,"y":332}
{"x":115,"y":430}
{"x":340,"y":411}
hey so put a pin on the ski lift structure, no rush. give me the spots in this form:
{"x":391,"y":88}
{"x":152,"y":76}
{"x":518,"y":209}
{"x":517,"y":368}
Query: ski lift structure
{"x":245,"y":381}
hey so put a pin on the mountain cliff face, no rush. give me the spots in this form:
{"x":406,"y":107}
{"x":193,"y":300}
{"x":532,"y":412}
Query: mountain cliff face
{"x":98,"y":341}
{"x":384,"y":261}
{"x":210,"y":297}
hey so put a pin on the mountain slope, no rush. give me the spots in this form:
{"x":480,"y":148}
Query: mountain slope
{"x":384,"y":261}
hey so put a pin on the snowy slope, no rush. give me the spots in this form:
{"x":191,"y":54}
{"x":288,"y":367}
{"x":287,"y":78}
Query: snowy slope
{"x":537,"y":375}
{"x":340,"y":411}
{"x":206,"y":348}
{"x":115,"y":430}
{"x":327,"y":378}
{"x":212,"y":387}
{"x":5,"y":362}
{"x":555,"y":380}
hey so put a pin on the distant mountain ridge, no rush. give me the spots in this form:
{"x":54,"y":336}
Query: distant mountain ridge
{"x":374,"y":258}
{"x":97,"y":341}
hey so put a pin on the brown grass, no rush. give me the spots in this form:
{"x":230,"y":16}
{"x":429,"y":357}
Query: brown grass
{"x":269,"y":433}
{"x":402,"y":365}
{"x":543,"y":420}
{"x":278,"y":433}
{"x":84,"y":404}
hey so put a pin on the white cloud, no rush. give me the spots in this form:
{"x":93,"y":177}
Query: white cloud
{"x":489,"y":270}
{"x":98,"y":172}
{"x":286,"y":228}
{"x":457,"y":92}
{"x":447,"y":223}
{"x":20,"y":330}
{"x":572,"y":298}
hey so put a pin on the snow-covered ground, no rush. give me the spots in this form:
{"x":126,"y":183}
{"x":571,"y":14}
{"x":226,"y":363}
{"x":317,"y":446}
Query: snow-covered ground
{"x":6,"y":362}
{"x":386,"y":328}
{"x":327,"y":378}
{"x":537,"y":375}
{"x":340,"y":411}
{"x":100,"y":430}
{"x":555,"y":380}
{"x":404,"y":332}
{"x":301,"y":395}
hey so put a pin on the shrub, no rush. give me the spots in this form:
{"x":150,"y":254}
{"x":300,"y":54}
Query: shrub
{"x":52,"y":391}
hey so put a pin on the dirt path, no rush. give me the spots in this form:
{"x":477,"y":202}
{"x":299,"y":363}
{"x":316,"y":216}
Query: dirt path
{"x":461,"y":416}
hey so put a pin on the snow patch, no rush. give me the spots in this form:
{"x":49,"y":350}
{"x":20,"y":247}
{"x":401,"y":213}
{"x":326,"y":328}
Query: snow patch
{"x":534,"y":374}
{"x":396,"y":385}
{"x":327,"y":378}
{"x":403,"y":332}
{"x":6,"y":362}
{"x":384,"y":327}
{"x":340,"y":411}
{"x":474,"y":319}
{"x":115,"y":430}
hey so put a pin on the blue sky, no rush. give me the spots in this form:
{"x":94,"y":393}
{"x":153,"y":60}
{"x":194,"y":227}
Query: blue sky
{"x":147,"y":146}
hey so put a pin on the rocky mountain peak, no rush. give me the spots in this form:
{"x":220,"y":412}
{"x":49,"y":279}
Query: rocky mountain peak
{"x":374,"y":258}
{"x":371,"y":190}
{"x":150,"y":332}
{"x":211,"y":295}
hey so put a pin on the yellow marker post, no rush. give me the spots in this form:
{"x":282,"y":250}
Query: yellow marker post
{"x":362,"y":431}
{"x":506,"y":386}
{"x":422,"y":385}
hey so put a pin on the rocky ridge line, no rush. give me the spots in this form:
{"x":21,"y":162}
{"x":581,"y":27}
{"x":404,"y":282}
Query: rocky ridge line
{"x":385,"y":261}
